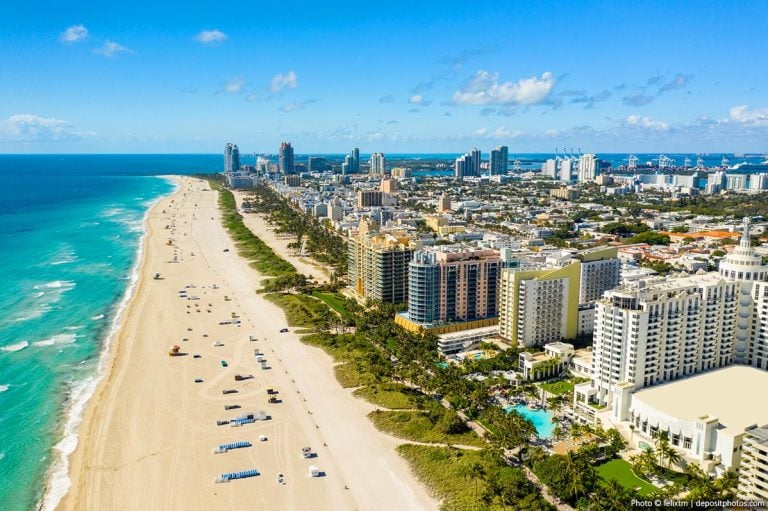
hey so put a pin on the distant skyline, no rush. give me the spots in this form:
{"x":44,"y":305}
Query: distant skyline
{"x":432,"y":77}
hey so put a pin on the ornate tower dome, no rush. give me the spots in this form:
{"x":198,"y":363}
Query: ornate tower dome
{"x":744,"y":263}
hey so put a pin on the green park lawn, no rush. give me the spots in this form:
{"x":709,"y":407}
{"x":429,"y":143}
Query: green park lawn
{"x":558,"y":387}
{"x":622,"y":472}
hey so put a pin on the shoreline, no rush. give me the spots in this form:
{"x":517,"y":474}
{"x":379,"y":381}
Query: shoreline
{"x":82,"y":393}
{"x":136,"y":443}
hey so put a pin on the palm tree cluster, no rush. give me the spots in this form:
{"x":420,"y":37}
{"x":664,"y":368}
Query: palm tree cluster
{"x":323,"y":243}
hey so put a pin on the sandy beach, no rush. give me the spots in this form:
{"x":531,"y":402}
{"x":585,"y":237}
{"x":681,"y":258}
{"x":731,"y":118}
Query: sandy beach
{"x":148,"y":435}
{"x":261,"y":228}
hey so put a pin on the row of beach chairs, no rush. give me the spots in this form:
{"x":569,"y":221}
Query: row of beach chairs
{"x":234,"y":445}
{"x":231,"y":476}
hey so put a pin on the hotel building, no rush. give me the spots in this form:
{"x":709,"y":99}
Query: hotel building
{"x":541,"y":306}
{"x":452,"y":284}
{"x":668,"y":330}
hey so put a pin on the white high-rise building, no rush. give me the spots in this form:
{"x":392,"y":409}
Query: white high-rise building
{"x":378,"y":164}
{"x":598,"y":276}
{"x":758,"y":182}
{"x":753,"y":475}
{"x":588,"y":167}
{"x":549,"y":168}
{"x":736,"y":182}
{"x":674,"y":328}
{"x":566,"y":170}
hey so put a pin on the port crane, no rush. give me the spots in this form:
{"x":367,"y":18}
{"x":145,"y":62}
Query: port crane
{"x":632,"y":162}
{"x":664,"y":162}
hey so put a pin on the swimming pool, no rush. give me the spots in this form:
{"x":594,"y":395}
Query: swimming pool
{"x":541,"y":419}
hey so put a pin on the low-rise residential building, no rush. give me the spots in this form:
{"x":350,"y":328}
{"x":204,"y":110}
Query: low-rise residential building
{"x":548,"y":364}
{"x":464,"y":340}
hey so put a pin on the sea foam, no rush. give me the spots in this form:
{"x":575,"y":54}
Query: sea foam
{"x":15,"y":347}
{"x":57,"y":339}
{"x":46,"y":295}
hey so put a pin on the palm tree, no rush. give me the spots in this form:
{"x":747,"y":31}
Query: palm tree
{"x":575,"y":472}
{"x":727,"y":484}
{"x":557,"y":431}
{"x":647,"y":461}
{"x":473,"y":471}
{"x":672,"y":456}
{"x":612,"y":496}
{"x":662,"y":445}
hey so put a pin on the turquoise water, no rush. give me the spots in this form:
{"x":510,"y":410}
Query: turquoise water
{"x":541,"y":419}
{"x":70,"y":228}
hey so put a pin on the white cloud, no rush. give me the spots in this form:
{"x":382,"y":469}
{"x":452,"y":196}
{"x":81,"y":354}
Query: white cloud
{"x":73,"y":34}
{"x":292,"y":107}
{"x":484,"y":89}
{"x":648,"y":123}
{"x":416,"y":99}
{"x":111,"y":49}
{"x":31,"y":128}
{"x":742,"y":114}
{"x":214,"y":36}
{"x":498,"y":133}
{"x":375,"y":136}
{"x":283,"y":81}
{"x":234,"y":86}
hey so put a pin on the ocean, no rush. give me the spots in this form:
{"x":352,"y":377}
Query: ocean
{"x":70,"y":231}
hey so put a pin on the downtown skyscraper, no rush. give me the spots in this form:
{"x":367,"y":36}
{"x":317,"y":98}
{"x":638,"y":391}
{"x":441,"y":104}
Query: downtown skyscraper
{"x":468,"y":165}
{"x":231,"y":158}
{"x":286,"y":163}
{"x":499,"y":159}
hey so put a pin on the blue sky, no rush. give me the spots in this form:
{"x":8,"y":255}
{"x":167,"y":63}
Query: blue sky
{"x":413,"y":76}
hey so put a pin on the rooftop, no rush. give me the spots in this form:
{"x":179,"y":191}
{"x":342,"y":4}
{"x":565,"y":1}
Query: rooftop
{"x":733,"y":395}
{"x":760,"y":434}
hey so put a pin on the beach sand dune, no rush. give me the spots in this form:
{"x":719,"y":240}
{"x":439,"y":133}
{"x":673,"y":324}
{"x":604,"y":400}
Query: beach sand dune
{"x":147,"y":439}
